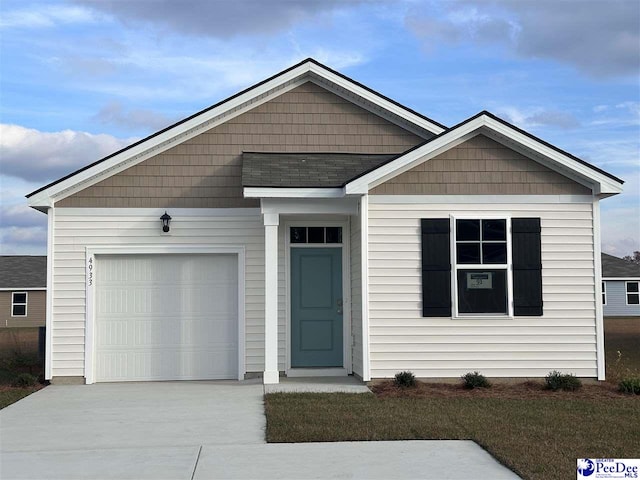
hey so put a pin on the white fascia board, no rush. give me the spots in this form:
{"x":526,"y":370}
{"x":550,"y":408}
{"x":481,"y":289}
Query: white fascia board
{"x":377,"y":100}
{"x":273,"y":192}
{"x":310,"y":206}
{"x":621,"y":279}
{"x":140,"y":212}
{"x":23,"y":289}
{"x":476,"y":199}
{"x":171,"y":137}
{"x":450,"y":139}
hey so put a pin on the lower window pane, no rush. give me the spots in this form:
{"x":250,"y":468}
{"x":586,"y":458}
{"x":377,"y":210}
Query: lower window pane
{"x":633,"y":299}
{"x":468,"y":252}
{"x":19,"y":310}
{"x":482,"y":291}
{"x":494,"y":253}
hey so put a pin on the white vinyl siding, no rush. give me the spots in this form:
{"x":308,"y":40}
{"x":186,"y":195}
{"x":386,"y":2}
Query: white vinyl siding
{"x":617,"y":300}
{"x":564,"y":338}
{"x":76,"y":229}
{"x":356,"y":297}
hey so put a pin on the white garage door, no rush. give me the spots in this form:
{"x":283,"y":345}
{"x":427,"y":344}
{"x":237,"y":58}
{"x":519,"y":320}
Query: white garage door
{"x":166,"y":317}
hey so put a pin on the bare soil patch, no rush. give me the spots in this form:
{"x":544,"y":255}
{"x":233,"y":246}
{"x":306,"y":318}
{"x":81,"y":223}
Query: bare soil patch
{"x":518,"y":391}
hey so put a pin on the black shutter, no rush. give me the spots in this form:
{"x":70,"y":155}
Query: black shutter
{"x":527,"y":266}
{"x":436,"y":268}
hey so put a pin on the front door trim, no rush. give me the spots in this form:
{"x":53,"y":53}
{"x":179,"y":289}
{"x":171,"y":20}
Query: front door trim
{"x":346,"y":292}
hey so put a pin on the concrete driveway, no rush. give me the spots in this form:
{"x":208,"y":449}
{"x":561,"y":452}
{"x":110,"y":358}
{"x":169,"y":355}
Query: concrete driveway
{"x":198,"y":430}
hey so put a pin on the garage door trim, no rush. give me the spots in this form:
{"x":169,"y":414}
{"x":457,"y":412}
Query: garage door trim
{"x":90,"y":266}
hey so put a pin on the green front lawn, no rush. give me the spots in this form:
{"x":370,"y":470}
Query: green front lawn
{"x":9,"y":395}
{"x":538,"y":438}
{"x":537,"y":434}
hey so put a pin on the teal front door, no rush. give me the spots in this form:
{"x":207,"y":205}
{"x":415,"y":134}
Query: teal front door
{"x":316,"y":307}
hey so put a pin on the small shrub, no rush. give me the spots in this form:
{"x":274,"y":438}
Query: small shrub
{"x":630,"y":385}
{"x":562,"y":381}
{"x":475,"y":380}
{"x":24,"y":380}
{"x":405,"y":379}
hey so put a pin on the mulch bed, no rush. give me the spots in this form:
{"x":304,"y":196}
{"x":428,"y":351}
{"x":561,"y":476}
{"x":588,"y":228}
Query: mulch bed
{"x":525,"y":390}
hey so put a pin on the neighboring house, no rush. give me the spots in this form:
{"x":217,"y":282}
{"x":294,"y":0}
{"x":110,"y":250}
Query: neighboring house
{"x":311,"y":226}
{"x":23,"y":290}
{"x":620,"y":287}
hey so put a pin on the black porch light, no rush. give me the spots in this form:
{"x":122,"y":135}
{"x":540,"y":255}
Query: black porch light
{"x":165,"y":219}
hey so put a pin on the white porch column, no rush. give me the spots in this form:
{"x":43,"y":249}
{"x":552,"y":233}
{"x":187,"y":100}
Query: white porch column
{"x":271,"y":221}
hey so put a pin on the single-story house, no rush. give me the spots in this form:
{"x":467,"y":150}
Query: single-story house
{"x":620,"y":287}
{"x":23,"y":290}
{"x":309,"y":225}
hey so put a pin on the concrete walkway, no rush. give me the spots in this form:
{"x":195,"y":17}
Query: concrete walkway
{"x":199,"y":430}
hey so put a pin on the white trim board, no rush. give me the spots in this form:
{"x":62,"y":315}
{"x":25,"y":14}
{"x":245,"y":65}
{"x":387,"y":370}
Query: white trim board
{"x":48,"y":350}
{"x":91,"y":252}
{"x":174,"y":212}
{"x":23,"y":289}
{"x":484,"y":124}
{"x":621,"y":279}
{"x":364,"y":278}
{"x":597,"y":266}
{"x":476,"y":199}
{"x":280,"y":192}
{"x":310,"y":206}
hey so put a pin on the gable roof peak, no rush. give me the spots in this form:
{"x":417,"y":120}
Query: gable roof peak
{"x":221,"y":112}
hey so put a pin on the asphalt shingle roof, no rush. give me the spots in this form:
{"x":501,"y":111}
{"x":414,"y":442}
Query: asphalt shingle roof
{"x":616,"y":267}
{"x":306,"y":170}
{"x":23,"y":271}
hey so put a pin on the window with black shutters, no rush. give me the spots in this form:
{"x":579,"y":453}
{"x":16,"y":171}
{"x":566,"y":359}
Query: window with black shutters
{"x":481,"y":267}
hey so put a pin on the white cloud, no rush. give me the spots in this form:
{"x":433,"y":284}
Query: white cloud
{"x":19,"y":240}
{"x":600,"y":38}
{"x":21,"y":216}
{"x":218,"y":19}
{"x":33,"y":155}
{"x":114,"y":113}
{"x":536,"y":117}
{"x":41,"y":16}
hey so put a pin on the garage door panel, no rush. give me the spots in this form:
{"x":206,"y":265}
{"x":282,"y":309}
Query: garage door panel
{"x":166,"y":317}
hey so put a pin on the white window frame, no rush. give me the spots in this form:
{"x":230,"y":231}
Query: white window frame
{"x":455,"y":266}
{"x":604,"y":293}
{"x":14,"y":303}
{"x":627,"y":292}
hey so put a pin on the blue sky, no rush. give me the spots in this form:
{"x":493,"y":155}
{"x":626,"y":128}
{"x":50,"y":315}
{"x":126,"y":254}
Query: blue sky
{"x":80,"y":79}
